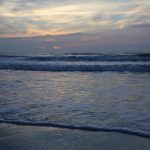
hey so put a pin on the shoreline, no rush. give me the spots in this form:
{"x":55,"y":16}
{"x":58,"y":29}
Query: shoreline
{"x":78,"y":127}
{"x":20,"y":137}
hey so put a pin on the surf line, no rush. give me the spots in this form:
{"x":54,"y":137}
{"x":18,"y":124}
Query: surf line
{"x":78,"y":127}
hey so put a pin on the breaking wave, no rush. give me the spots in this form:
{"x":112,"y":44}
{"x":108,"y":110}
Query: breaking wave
{"x":84,"y":57}
{"x":90,"y":58}
{"x":76,"y":67}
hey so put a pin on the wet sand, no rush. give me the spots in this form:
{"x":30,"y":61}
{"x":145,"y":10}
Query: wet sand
{"x":14,"y":137}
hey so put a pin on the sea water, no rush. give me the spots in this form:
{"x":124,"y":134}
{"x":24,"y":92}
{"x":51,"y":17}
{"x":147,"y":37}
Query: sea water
{"x":96,"y":92}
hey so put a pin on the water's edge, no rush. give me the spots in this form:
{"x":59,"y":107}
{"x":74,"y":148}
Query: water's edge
{"x":78,"y":127}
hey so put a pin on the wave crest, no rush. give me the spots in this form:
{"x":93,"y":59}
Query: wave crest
{"x":74,"y":67}
{"x":90,"y":58}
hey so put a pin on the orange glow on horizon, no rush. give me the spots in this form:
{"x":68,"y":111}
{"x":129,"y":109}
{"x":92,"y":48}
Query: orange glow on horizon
{"x":56,"y":47}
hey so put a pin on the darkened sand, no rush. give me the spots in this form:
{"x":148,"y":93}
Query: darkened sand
{"x":14,"y":137}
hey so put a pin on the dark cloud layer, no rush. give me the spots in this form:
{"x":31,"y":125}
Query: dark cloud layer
{"x":73,"y":43}
{"x":142,"y":26}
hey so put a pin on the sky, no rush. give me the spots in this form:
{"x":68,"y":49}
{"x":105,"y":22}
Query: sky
{"x":58,"y":26}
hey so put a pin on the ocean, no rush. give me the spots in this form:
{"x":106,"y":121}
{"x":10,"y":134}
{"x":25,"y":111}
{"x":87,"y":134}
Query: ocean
{"x":95,"y":92}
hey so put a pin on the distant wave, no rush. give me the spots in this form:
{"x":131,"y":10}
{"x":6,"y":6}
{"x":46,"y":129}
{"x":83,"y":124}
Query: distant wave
{"x":83,"y":57}
{"x":90,"y":58}
{"x":74,"y":67}
{"x":80,"y":127}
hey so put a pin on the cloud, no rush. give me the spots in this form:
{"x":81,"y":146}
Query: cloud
{"x":66,"y":23}
{"x":142,"y":26}
{"x":35,"y":17}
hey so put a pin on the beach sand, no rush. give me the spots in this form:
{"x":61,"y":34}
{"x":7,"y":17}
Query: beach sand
{"x":14,"y":137}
